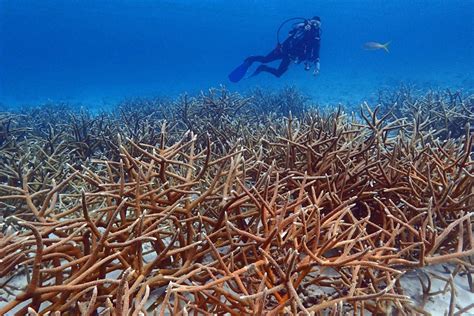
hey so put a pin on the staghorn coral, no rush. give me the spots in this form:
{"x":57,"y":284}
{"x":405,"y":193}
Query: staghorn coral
{"x":438,"y":113}
{"x":288,"y":99}
{"x":309,"y":214}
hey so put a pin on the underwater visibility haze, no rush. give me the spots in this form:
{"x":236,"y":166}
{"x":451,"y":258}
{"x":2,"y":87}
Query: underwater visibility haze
{"x":96,"y":52}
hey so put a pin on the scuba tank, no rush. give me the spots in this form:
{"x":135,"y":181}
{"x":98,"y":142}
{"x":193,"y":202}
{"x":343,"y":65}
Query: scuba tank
{"x":285,"y":22}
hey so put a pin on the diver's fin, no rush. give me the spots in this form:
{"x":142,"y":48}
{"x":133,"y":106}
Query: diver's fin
{"x":385,"y":46}
{"x":238,"y":73}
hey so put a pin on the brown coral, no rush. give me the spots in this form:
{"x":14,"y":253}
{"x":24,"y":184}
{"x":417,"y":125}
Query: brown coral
{"x":297,"y":215}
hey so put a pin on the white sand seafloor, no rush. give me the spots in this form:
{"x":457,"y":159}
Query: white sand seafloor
{"x":436,"y":305}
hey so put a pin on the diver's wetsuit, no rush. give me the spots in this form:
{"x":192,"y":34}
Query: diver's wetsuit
{"x":301,"y":45}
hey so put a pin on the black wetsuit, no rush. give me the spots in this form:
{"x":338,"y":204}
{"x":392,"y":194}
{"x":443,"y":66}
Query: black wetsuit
{"x":302,"y":45}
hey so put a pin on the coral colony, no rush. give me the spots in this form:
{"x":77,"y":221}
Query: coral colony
{"x":243,"y":205}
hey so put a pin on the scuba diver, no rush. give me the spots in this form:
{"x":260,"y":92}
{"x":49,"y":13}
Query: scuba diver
{"x":301,"y":45}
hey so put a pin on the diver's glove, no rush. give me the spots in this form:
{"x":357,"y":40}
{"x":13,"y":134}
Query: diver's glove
{"x":316,"y":69}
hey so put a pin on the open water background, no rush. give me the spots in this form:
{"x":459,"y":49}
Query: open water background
{"x":96,"y":52}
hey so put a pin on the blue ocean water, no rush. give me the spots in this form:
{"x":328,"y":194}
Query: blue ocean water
{"x":96,"y":52}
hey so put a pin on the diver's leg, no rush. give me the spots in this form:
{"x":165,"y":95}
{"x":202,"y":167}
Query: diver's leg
{"x":285,"y":62}
{"x":274,"y":71}
{"x":272,"y":56}
{"x":238,"y":73}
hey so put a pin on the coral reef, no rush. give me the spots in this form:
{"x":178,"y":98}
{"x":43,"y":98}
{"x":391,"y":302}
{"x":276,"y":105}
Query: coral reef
{"x":445,"y":113}
{"x":210,"y":205}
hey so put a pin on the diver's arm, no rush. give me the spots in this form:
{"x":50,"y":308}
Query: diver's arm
{"x":312,"y":51}
{"x":312,"y":46}
{"x":316,"y":45}
{"x":315,"y":52}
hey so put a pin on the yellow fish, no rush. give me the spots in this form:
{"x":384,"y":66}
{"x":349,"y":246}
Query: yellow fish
{"x":375,"y":46}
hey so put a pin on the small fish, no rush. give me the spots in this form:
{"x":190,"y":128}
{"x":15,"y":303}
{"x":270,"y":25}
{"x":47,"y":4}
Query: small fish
{"x":375,"y":46}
